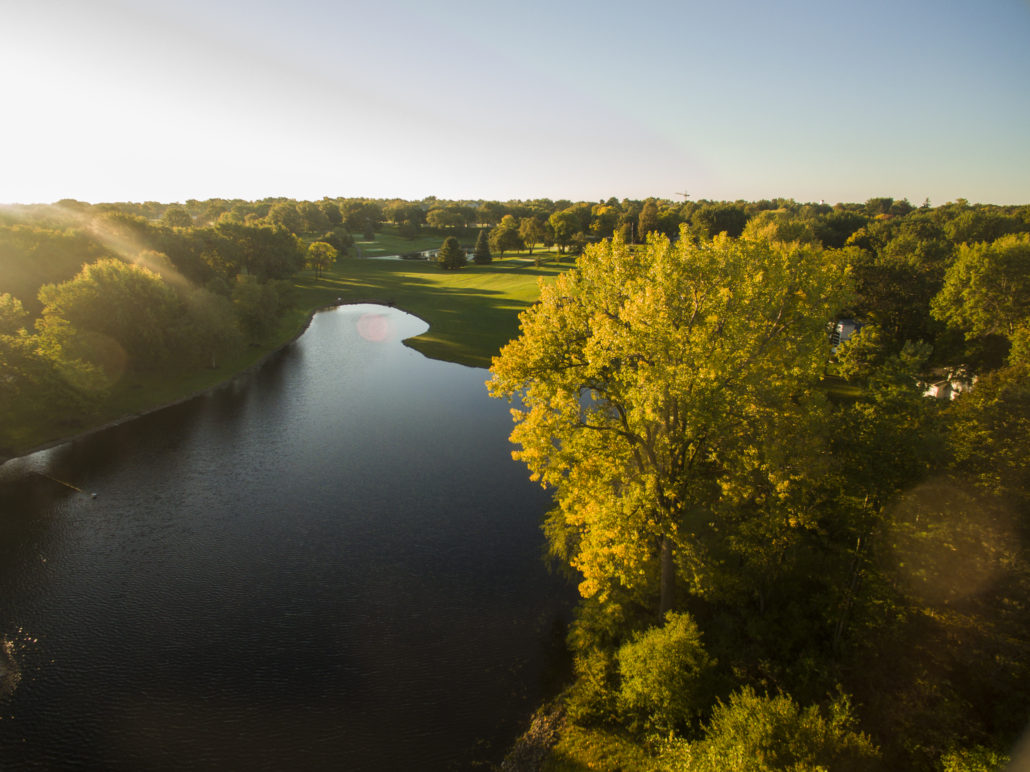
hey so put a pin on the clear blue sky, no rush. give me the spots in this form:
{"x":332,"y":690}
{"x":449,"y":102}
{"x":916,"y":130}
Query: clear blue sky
{"x":131,"y":100}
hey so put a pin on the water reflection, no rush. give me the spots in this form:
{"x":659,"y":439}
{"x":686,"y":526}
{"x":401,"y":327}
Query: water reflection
{"x":332,"y":562}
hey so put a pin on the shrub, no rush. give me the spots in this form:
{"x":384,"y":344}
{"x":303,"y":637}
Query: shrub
{"x":665,"y":673}
{"x":756,"y":733}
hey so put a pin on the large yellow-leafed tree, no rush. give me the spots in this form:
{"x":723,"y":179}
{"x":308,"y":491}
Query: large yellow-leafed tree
{"x":649,"y":380}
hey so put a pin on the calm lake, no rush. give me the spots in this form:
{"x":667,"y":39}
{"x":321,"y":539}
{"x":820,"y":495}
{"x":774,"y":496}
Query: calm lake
{"x":330,"y":563}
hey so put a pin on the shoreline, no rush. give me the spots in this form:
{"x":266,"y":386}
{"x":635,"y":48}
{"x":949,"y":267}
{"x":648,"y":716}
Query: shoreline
{"x":193,"y":395}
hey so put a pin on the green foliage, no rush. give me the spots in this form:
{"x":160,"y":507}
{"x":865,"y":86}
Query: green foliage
{"x":111,"y":306}
{"x":643,"y":374}
{"x":949,"y":543}
{"x":888,"y":439}
{"x":878,"y":206}
{"x":605,"y":220}
{"x":285,"y":215}
{"x":208,"y":330}
{"x":451,"y":255}
{"x":592,"y":697}
{"x":31,"y":257}
{"x":481,"y":254}
{"x":13,"y":315}
{"x":257,"y":306}
{"x":987,"y":288}
{"x":987,"y":434}
{"x":450,"y":217}
{"x":563,"y":227}
{"x":664,"y":676}
{"x":34,"y":389}
{"x":313,"y":217}
{"x":505,"y":237}
{"x":710,"y":220}
{"x":338,"y":238}
{"x":177,"y":217}
{"x":362,"y":217}
{"x":862,"y":354}
{"x":835,"y":228}
{"x":978,"y":759}
{"x":625,"y":232}
{"x":1019,"y":346}
{"x":581,"y":748}
{"x":263,"y":251}
{"x":755,"y":733}
{"x":332,"y":212}
{"x":647,"y":222}
{"x":321,"y":257}
{"x":777,"y":225}
{"x":982,"y":225}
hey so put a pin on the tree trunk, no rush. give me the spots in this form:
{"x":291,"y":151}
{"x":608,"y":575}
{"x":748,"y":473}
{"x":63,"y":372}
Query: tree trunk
{"x":838,"y":633}
{"x":668,"y":588}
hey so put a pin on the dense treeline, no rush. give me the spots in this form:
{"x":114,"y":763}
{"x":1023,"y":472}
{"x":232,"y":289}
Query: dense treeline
{"x":789,"y":559}
{"x":89,"y":294}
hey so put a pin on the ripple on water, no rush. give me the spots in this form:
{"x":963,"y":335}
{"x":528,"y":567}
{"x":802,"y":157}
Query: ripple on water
{"x":10,"y":672}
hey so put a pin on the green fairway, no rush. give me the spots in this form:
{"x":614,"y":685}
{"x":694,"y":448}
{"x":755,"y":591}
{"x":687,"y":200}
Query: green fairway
{"x":389,"y":243}
{"x":471,"y":312}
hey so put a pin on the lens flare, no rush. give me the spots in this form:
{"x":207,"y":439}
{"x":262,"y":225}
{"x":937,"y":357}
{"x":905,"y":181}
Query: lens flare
{"x":949,"y":543}
{"x":375,"y":328}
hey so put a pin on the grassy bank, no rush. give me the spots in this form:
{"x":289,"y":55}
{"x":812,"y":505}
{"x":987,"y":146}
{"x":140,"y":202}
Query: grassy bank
{"x":471,"y":314}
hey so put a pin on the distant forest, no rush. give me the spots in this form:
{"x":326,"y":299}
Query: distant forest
{"x":854,"y":592}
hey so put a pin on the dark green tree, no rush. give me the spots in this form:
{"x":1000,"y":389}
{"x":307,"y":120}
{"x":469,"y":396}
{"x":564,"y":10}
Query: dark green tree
{"x":648,"y":220}
{"x":451,"y":255}
{"x":332,"y":212}
{"x":313,"y":217}
{"x":339,"y":238}
{"x":177,"y":217}
{"x":257,"y":306}
{"x":285,"y":215}
{"x":505,"y":237}
{"x":710,"y":220}
{"x":481,"y":255}
{"x":208,"y":329}
{"x":878,"y":206}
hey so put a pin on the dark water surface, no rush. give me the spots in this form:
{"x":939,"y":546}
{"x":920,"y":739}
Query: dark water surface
{"x":331,"y":564}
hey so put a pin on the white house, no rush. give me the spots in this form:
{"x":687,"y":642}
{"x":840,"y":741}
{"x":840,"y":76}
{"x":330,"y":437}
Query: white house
{"x":842,"y":330}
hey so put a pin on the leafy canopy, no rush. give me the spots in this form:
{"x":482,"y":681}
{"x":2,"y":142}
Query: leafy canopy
{"x":646,"y":375}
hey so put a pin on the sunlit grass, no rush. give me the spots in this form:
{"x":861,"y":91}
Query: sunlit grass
{"x":472,"y":312}
{"x":388,"y":242}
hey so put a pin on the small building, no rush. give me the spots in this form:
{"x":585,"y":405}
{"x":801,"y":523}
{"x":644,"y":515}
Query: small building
{"x":954,"y":383}
{"x":842,"y":330}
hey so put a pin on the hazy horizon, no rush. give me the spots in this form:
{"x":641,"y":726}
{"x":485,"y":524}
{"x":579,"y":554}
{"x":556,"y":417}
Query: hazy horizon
{"x":119,"y":101}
